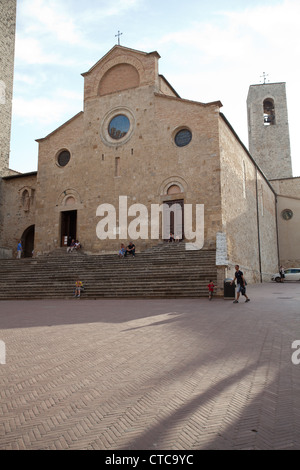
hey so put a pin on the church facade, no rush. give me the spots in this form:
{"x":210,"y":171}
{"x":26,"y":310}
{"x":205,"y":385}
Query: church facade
{"x":140,"y":162}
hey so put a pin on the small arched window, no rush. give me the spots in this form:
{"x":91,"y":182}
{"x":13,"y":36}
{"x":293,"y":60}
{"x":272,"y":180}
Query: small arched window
{"x":26,"y":200}
{"x":269,"y":112}
{"x":174,"y":189}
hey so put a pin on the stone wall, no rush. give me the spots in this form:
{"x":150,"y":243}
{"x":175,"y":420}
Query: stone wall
{"x":149,"y":163}
{"x":288,"y":190}
{"x":18,"y":208}
{"x":248,"y":208}
{"x":287,"y":186}
{"x":141,"y":166}
{"x":7,"y":47}
{"x":269,"y":145}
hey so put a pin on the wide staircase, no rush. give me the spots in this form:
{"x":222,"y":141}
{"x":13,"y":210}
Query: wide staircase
{"x":167,"y":270}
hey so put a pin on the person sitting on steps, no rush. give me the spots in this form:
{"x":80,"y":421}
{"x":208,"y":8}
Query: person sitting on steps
{"x":71,"y":247}
{"x":122,"y":251}
{"x":130,"y":250}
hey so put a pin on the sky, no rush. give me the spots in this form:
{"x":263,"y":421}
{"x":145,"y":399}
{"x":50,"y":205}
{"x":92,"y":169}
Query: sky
{"x":210,"y":51}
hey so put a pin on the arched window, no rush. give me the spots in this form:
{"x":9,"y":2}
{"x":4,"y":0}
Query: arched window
{"x":269,"y":112}
{"x":25,"y":200}
{"x":174,"y":189}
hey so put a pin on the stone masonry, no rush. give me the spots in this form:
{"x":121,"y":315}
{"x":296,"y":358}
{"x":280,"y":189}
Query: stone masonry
{"x":145,"y":165}
{"x":7,"y":47}
{"x":269,"y":142}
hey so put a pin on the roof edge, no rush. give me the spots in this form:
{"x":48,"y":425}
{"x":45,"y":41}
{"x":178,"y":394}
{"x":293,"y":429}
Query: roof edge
{"x":215,"y":103}
{"x":20,"y":175}
{"x":116,"y":46}
{"x":60,"y":127}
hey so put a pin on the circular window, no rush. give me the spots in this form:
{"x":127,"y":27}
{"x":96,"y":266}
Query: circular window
{"x":183,"y":138}
{"x":63,"y":158}
{"x":287,"y":214}
{"x":118,"y":127}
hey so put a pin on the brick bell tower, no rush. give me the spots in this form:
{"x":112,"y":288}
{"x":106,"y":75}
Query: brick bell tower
{"x":7,"y":51}
{"x":268,"y":129}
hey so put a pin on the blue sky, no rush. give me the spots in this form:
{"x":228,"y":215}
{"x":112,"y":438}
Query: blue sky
{"x":210,"y":50}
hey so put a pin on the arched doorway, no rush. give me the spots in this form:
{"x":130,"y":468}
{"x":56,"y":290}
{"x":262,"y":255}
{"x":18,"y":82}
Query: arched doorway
{"x":173,"y":217}
{"x":28,"y":242}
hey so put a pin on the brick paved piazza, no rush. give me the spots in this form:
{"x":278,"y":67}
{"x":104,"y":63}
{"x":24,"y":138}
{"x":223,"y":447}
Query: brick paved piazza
{"x":152,"y":374}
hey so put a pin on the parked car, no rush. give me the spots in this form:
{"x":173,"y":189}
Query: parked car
{"x":291,"y":274}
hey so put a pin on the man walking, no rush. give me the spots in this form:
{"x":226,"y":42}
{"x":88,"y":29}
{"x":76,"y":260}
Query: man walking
{"x":241,"y":284}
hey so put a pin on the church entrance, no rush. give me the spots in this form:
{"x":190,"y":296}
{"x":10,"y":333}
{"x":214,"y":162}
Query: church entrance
{"x":173,"y":219}
{"x":68,"y":227}
{"x":28,"y":242}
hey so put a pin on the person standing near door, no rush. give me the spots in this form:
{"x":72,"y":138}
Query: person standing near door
{"x":19,"y":250}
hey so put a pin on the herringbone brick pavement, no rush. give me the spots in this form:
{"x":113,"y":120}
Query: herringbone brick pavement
{"x":152,"y":374}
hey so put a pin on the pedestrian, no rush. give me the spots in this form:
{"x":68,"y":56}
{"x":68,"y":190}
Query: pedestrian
{"x":19,"y":250}
{"x":78,"y":288}
{"x":210,"y":289}
{"x":282,"y":274}
{"x":241,"y":284}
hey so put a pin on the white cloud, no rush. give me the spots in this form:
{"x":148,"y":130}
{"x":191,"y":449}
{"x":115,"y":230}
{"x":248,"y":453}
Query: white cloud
{"x":45,"y":111}
{"x":30,"y":51}
{"x":104,"y":10}
{"x":42,"y":18}
{"x":24,"y":78}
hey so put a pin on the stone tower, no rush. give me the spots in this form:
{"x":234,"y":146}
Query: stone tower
{"x":7,"y":51}
{"x":268,"y":129}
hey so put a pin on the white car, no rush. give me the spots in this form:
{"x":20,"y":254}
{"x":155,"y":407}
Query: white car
{"x":291,"y":274}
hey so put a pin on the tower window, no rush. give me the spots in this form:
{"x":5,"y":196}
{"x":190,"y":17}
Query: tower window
{"x":269,"y":112}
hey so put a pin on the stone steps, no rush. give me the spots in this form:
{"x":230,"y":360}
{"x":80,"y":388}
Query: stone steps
{"x":167,"y":270}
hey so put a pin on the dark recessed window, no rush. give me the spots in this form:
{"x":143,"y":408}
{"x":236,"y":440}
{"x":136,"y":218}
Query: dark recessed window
{"x":118,"y":127}
{"x":183,"y":138}
{"x":287,"y":214}
{"x":63,"y":158}
{"x":269,"y":112}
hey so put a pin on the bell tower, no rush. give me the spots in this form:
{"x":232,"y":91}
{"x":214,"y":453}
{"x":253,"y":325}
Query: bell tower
{"x":7,"y":51}
{"x":268,"y":129}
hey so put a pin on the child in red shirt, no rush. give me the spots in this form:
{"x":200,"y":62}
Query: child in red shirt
{"x":210,"y":289}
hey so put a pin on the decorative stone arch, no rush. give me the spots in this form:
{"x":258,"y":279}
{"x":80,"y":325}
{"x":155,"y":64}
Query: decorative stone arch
{"x":171,"y":182}
{"x":120,"y":77}
{"x":100,"y":71}
{"x":26,"y":195}
{"x":172,"y":193}
{"x":69,"y":198}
